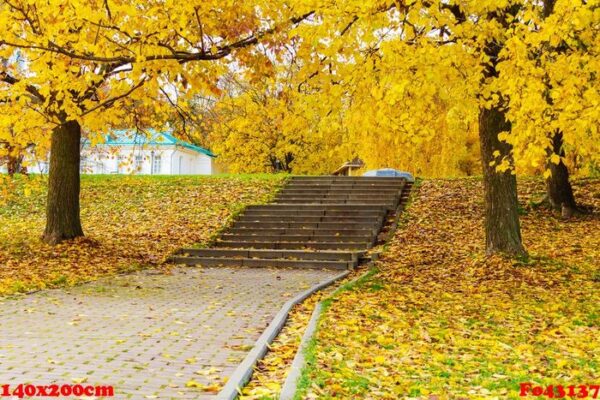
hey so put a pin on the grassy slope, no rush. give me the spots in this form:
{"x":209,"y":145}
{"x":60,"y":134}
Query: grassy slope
{"x":440,"y":321}
{"x":130,"y":222}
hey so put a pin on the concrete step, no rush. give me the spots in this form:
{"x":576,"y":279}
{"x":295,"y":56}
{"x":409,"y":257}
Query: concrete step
{"x":263,"y":263}
{"x":344,"y":178}
{"x":387,"y":205}
{"x":333,"y":192}
{"x":302,"y":218}
{"x":312,"y":213}
{"x":347,"y":181}
{"x":348,"y":256}
{"x":367,"y":233}
{"x":328,"y":192}
{"x":294,"y":245}
{"x":342,"y":186}
{"x":382,"y":182}
{"x":319,"y":207}
{"x":296,"y":238}
{"x":368,"y":198}
{"x":368,"y":190}
{"x":308,"y":225}
{"x":337,"y":200}
{"x":380,"y":204}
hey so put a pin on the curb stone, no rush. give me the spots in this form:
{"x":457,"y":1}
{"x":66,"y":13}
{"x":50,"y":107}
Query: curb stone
{"x":290,"y":385}
{"x":244,"y":371}
{"x":291,"y":381}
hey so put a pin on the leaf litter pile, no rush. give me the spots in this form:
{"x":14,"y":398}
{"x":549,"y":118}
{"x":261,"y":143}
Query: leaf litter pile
{"x":441,"y":321}
{"x":130,"y":222}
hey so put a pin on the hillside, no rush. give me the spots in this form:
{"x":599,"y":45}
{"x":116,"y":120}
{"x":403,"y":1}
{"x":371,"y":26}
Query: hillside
{"x":130,"y":222}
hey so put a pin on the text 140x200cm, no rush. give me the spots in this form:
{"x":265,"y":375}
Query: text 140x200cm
{"x":65,"y":390}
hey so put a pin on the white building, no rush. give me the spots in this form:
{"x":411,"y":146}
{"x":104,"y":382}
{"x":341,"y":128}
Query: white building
{"x":125,"y":152}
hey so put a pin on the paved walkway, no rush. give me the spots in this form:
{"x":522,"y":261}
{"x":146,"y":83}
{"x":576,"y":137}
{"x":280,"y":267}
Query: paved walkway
{"x":147,"y":334}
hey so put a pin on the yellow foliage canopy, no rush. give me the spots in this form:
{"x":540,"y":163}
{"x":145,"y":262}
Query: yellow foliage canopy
{"x":397,"y":83}
{"x":117,"y":63}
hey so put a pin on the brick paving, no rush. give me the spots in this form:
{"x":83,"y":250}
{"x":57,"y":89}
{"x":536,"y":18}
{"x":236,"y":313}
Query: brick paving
{"x":147,"y":334}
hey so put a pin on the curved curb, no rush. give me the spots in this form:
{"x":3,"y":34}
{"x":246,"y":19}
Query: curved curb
{"x":290,"y":386}
{"x":291,"y":381}
{"x":243,"y":372}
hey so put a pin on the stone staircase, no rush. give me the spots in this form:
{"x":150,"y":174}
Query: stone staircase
{"x":314,"y":222}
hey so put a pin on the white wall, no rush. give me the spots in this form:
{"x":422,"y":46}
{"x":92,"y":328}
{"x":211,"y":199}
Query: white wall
{"x":125,"y":160}
{"x":204,"y":165}
{"x":188,"y":162}
{"x":122,"y":160}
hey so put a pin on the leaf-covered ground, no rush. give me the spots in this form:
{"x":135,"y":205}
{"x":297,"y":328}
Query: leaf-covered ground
{"x":130,"y":222}
{"x":440,"y":321}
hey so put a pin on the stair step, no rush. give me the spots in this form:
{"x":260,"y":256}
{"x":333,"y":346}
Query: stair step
{"x":286,"y":254}
{"x":312,"y":213}
{"x":367,"y":197}
{"x":378,"y":202}
{"x":309,"y":225}
{"x":345,"y":178}
{"x":327,"y":192}
{"x":302,"y":218}
{"x":295,"y":245}
{"x":320,"y":207}
{"x":333,"y":192}
{"x":302,"y":231}
{"x":342,"y":187}
{"x":345,"y":183}
{"x":304,"y":202}
{"x":295,"y":238}
{"x":263,"y":263}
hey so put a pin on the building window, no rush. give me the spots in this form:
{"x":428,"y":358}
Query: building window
{"x":156,"y":165}
{"x":139,"y":161}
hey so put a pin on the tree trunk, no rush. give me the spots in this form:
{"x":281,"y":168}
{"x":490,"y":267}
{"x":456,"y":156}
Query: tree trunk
{"x":15,"y":165}
{"x":11,"y":161}
{"x":502,"y":229}
{"x":559,"y":192}
{"x":558,"y":188}
{"x":62,"y":209}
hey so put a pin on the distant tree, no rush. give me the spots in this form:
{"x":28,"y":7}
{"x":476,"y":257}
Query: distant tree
{"x":491,"y":59}
{"x":89,"y":63}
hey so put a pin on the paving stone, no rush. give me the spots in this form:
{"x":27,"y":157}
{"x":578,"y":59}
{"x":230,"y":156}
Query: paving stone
{"x":147,"y":334}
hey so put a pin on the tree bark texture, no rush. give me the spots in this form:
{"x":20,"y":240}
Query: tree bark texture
{"x":62,"y":207}
{"x":502,"y":228}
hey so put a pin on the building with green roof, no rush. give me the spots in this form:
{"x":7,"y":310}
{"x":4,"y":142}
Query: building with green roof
{"x":150,"y":152}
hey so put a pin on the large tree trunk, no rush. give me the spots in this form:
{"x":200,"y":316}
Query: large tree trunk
{"x":558,"y":188}
{"x":62,"y":209}
{"x":502,"y":229}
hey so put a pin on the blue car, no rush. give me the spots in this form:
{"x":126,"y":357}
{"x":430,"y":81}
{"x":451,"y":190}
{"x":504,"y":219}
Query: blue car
{"x":389,"y":172}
